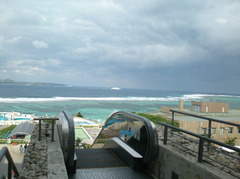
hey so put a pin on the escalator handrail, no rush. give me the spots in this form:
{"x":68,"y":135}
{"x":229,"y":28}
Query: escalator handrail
{"x":11,"y":166}
{"x":67,"y":138}
{"x":126,"y":147}
{"x":150,"y":131}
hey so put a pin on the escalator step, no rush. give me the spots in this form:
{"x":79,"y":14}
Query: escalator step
{"x":97,"y":158}
{"x":111,"y":173}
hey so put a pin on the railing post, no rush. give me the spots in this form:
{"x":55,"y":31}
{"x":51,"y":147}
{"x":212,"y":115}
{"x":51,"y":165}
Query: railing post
{"x":9,"y":170}
{"x":40,"y":128}
{"x":200,"y":150}
{"x":172,"y":117}
{"x":172,"y":122}
{"x":209,"y":132}
{"x":52,"y":130}
{"x":165,"y":135}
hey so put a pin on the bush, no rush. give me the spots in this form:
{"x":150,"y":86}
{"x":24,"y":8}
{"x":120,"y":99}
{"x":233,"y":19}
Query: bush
{"x":18,"y":141}
{"x":79,"y":114}
{"x":231,"y":141}
{"x":3,"y":141}
{"x":155,"y":119}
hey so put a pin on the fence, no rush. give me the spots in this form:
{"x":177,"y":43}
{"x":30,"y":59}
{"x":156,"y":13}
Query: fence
{"x":207,"y":147}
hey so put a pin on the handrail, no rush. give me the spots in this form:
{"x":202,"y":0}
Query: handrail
{"x":201,"y":139}
{"x":205,"y":118}
{"x":66,"y":133}
{"x":11,"y":166}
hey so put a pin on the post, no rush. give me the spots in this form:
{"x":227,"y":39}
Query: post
{"x":200,"y":150}
{"x":209,"y":132}
{"x":9,"y":170}
{"x":165,"y":135}
{"x":52,"y":130}
{"x":172,"y":117}
{"x":39,"y":130}
{"x":172,"y":123}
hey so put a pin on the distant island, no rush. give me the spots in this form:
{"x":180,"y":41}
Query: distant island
{"x":9,"y":81}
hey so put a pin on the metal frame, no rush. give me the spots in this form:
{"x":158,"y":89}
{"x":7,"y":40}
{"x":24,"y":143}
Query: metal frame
{"x":205,"y":118}
{"x":200,"y":137}
{"x":11,"y":166}
{"x":40,"y":126}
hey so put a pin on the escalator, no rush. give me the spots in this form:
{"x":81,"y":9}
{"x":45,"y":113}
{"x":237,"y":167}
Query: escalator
{"x":123,"y":149}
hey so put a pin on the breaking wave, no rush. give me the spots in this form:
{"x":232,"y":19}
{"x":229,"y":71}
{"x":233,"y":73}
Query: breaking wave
{"x":189,"y":97}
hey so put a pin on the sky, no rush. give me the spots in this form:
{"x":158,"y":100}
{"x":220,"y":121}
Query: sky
{"x":147,"y":44}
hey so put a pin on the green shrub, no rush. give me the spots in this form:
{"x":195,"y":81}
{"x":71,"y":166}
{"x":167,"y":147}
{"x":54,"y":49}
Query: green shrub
{"x":18,"y":141}
{"x":3,"y":141}
{"x":231,"y":141}
{"x":155,"y":119}
{"x":79,"y":114}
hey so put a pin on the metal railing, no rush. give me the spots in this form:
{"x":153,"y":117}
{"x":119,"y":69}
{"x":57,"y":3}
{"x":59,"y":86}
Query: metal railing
{"x":11,"y":166}
{"x":40,"y":126}
{"x":201,"y":138}
{"x":210,"y":120}
{"x":201,"y":144}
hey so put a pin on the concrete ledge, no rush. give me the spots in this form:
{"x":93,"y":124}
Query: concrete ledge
{"x":171,"y":162}
{"x":56,"y":165}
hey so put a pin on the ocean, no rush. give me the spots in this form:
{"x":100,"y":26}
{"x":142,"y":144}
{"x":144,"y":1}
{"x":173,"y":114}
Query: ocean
{"x":97,"y":103}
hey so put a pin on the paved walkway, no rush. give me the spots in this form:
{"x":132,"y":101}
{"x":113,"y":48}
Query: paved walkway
{"x":14,"y":151}
{"x":16,"y":156}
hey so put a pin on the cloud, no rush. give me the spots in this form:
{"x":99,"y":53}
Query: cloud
{"x":153,"y":44}
{"x":40,"y":44}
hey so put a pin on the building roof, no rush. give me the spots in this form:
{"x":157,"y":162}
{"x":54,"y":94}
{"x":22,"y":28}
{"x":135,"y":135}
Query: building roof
{"x":22,"y":129}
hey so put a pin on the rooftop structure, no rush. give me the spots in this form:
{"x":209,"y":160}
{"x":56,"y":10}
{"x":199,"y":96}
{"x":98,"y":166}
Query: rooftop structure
{"x":22,"y":130}
{"x":209,"y":107}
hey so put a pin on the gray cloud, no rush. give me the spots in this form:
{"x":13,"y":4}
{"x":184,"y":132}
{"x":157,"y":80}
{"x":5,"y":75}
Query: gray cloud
{"x":39,"y":44}
{"x":170,"y":45}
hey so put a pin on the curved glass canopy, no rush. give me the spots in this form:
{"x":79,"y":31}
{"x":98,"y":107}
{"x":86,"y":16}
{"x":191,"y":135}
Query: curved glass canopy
{"x":137,"y":132}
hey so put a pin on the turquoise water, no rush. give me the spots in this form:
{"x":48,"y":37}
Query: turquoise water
{"x":98,"y":103}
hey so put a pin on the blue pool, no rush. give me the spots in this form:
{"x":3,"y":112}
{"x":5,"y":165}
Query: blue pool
{"x":2,"y":118}
{"x":83,"y":123}
{"x":21,"y":118}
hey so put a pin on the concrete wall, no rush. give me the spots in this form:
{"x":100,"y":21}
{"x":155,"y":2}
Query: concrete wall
{"x":170,"y":162}
{"x":211,"y":107}
{"x":221,"y":134}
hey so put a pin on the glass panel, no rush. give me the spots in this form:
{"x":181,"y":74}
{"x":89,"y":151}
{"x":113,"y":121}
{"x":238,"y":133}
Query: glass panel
{"x":129,"y":130}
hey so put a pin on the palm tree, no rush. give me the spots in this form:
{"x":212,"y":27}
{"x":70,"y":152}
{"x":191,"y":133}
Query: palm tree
{"x":78,"y":141}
